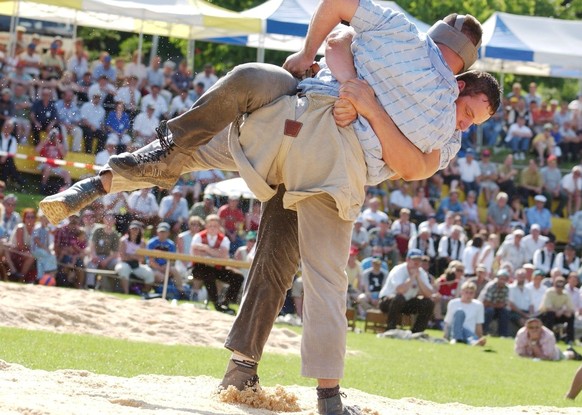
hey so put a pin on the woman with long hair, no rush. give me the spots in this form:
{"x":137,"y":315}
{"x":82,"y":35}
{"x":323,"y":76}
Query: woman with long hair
{"x":131,"y":262}
{"x":21,"y":246}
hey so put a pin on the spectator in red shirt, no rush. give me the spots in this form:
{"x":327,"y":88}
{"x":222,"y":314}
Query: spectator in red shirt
{"x":52,"y":148}
{"x":232,"y":219}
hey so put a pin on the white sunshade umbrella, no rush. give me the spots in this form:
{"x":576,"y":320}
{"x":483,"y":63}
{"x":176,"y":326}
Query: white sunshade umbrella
{"x":231,"y":187}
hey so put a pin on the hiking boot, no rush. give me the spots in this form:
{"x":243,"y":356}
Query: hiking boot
{"x":63,"y":204}
{"x":240,"y":377}
{"x":334,"y":406}
{"x":160,"y":165}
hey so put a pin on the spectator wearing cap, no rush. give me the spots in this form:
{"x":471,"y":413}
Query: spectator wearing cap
{"x":407,"y":290}
{"x":520,"y":299}
{"x":567,"y":260}
{"x":104,"y":68}
{"x":372,"y":214}
{"x":544,"y":144}
{"x":144,"y":127}
{"x":470,"y":172}
{"x":383,"y":242}
{"x":9,"y":144}
{"x":572,"y":185}
{"x":103,"y":248}
{"x":495,"y":298}
{"x":450,"y":203}
{"x":518,"y":137}
{"x":52,"y":63}
{"x":400,"y":198}
{"x":69,"y":117}
{"x":93,"y":123}
{"x":370,"y":285}
{"x":52,"y":148}
{"x":552,"y":187}
{"x":512,"y":250}
{"x":533,"y":241}
{"x":102,"y":157}
{"x":117,"y":125}
{"x":530,"y":182}
{"x":7,"y":108}
{"x":174,"y":210}
{"x":488,"y":178}
{"x":544,"y":259}
{"x":540,"y":214}
{"x":162,"y":242}
{"x":465,"y":317}
{"x":211,"y":242}
{"x":557,"y":307}
{"x":130,"y":263}
{"x":159,"y":103}
{"x":232,"y":220}
{"x":31,"y":61}
{"x":78,"y":63}
{"x":537,"y":289}
{"x":424,"y":242}
{"x":105,"y":89}
{"x":207,"y":77}
{"x":204,"y":208}
{"x":403,"y":229}
{"x":143,"y":206}
{"x":450,"y":248}
{"x":43,"y":115}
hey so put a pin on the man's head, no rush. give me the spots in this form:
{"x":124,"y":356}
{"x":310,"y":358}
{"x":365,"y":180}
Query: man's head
{"x":540,"y":201}
{"x":163,"y":231}
{"x":414,"y":257}
{"x":502,"y":277}
{"x":461,"y":34}
{"x":559,"y":284}
{"x":479,"y":98}
{"x":573,"y":279}
{"x":520,"y":276}
{"x":376,"y":263}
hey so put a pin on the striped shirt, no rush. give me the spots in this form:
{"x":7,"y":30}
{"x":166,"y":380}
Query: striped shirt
{"x":411,"y":80}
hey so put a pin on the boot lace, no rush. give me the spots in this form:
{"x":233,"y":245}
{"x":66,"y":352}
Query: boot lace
{"x":166,"y":144}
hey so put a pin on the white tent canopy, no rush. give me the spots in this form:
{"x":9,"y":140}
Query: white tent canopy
{"x":230,"y":187}
{"x":532,"y":45}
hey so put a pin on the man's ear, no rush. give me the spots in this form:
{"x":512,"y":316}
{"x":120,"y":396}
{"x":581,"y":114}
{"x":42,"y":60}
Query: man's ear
{"x":461,"y":85}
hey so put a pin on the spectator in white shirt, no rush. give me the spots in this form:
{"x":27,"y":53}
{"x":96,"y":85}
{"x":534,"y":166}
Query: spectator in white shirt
{"x":572,"y":185}
{"x":537,"y":290}
{"x":520,"y":300}
{"x":372,"y":215}
{"x":400,"y":198}
{"x":567,"y":261}
{"x":174,"y":210}
{"x":208,"y":78}
{"x":102,"y":157}
{"x":361,"y":239}
{"x":533,"y":241}
{"x":518,"y":137}
{"x":470,"y":172}
{"x":158,"y":101}
{"x":180,"y":103}
{"x":144,"y":128}
{"x":143,"y":206}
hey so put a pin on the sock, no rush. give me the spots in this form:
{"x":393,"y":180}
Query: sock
{"x":325,"y":393}
{"x":242,"y":360}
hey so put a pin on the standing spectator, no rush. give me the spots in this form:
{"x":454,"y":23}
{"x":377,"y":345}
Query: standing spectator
{"x":552,"y":186}
{"x":540,"y":215}
{"x":572,"y":185}
{"x":470,"y":172}
{"x":495,"y":298}
{"x":232,"y":219}
{"x":520,"y":302}
{"x":103,"y":248}
{"x":499,"y":215}
{"x":208,"y":78}
{"x":213,"y":243}
{"x":162,"y":242}
{"x":557,"y":307}
{"x":132,"y":263}
{"x":407,"y":290}
{"x":530,"y":182}
{"x":204,"y":208}
{"x":9,"y":144}
{"x":43,"y":115}
{"x":69,"y":117}
{"x":52,"y":148}
{"x":92,"y":123}
{"x":488,"y":179}
{"x":518,"y":137}
{"x":465,"y":317}
{"x":174,"y":210}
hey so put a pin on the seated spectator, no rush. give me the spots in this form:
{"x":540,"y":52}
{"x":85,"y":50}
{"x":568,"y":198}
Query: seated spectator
{"x":544,"y":259}
{"x":102,"y":157}
{"x":361,"y":239}
{"x":213,"y":243}
{"x":46,"y":261}
{"x":130,"y":95}
{"x":446,"y":285}
{"x":383,"y":242}
{"x":552,"y":187}
{"x":78,"y":63}
{"x":400,"y":198}
{"x":424,"y":242}
{"x":495,"y":298}
{"x":520,"y":301}
{"x":403,"y":229}
{"x":130,"y":263}
{"x":465,"y":317}
{"x":9,"y":144}
{"x":451,"y":247}
{"x":506,"y":174}
{"x":22,"y":105}
{"x":538,"y":342}
{"x":567,"y":261}
{"x":540,"y":215}
{"x":207,"y":77}
{"x":570,"y":144}
{"x":253,"y":217}
{"x":354,"y":273}
{"x":174,"y":210}
{"x":52,"y":62}
{"x":92,"y":123}
{"x":180,"y":103}
{"x":103,"y":68}
{"x":6,"y":106}
{"x":246,"y":253}
{"x":575,"y":233}
{"x":512,"y":251}
{"x":144,"y":128}
{"x":530,"y":182}
{"x":421,"y":207}
{"x":573,"y":291}
{"x":533,"y":241}
{"x":69,"y":117}
{"x":52,"y":148}
{"x":470,"y":215}
{"x":557,"y":307}
{"x":407,"y":290}
{"x":70,"y":244}
{"x":204,"y":208}
{"x":183,"y":243}
{"x":370,"y":286}
{"x":136,"y":69}
{"x":103,"y":248}
{"x":572,"y":185}
{"x":449,"y":203}
{"x":232,"y":220}
{"x":481,"y":279}
{"x":471,"y":253}
{"x":143,"y":207}
{"x":162,"y":242}
{"x":196,"y":92}
{"x":83,"y":86}
{"x":117,"y":204}
{"x":544,"y":144}
{"x":452,"y":174}
{"x":488,"y":178}
{"x":372,"y":215}
{"x":518,"y":137}
{"x":159,"y":103}
{"x":470,"y":172}
{"x":181,"y":79}
{"x":20,"y":242}
{"x":117,"y":124}
{"x":43,"y":115}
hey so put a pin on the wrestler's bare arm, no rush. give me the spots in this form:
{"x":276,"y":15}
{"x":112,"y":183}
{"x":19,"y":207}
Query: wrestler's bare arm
{"x":403,"y":157}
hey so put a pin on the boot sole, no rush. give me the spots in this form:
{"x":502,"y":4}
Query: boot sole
{"x":55,"y":210}
{"x":123,"y":172}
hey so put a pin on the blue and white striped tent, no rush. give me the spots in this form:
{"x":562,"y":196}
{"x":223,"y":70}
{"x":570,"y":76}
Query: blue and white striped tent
{"x":285,"y":24}
{"x":532,"y":45}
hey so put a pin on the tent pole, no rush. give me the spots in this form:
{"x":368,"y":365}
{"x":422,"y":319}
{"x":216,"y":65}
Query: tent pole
{"x":261,"y":49}
{"x":13,"y":23}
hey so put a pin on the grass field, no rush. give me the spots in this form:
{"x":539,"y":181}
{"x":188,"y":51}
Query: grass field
{"x":392,"y":368}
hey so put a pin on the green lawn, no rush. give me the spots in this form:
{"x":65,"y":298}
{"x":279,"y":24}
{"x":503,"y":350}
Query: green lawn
{"x":393,"y":368}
